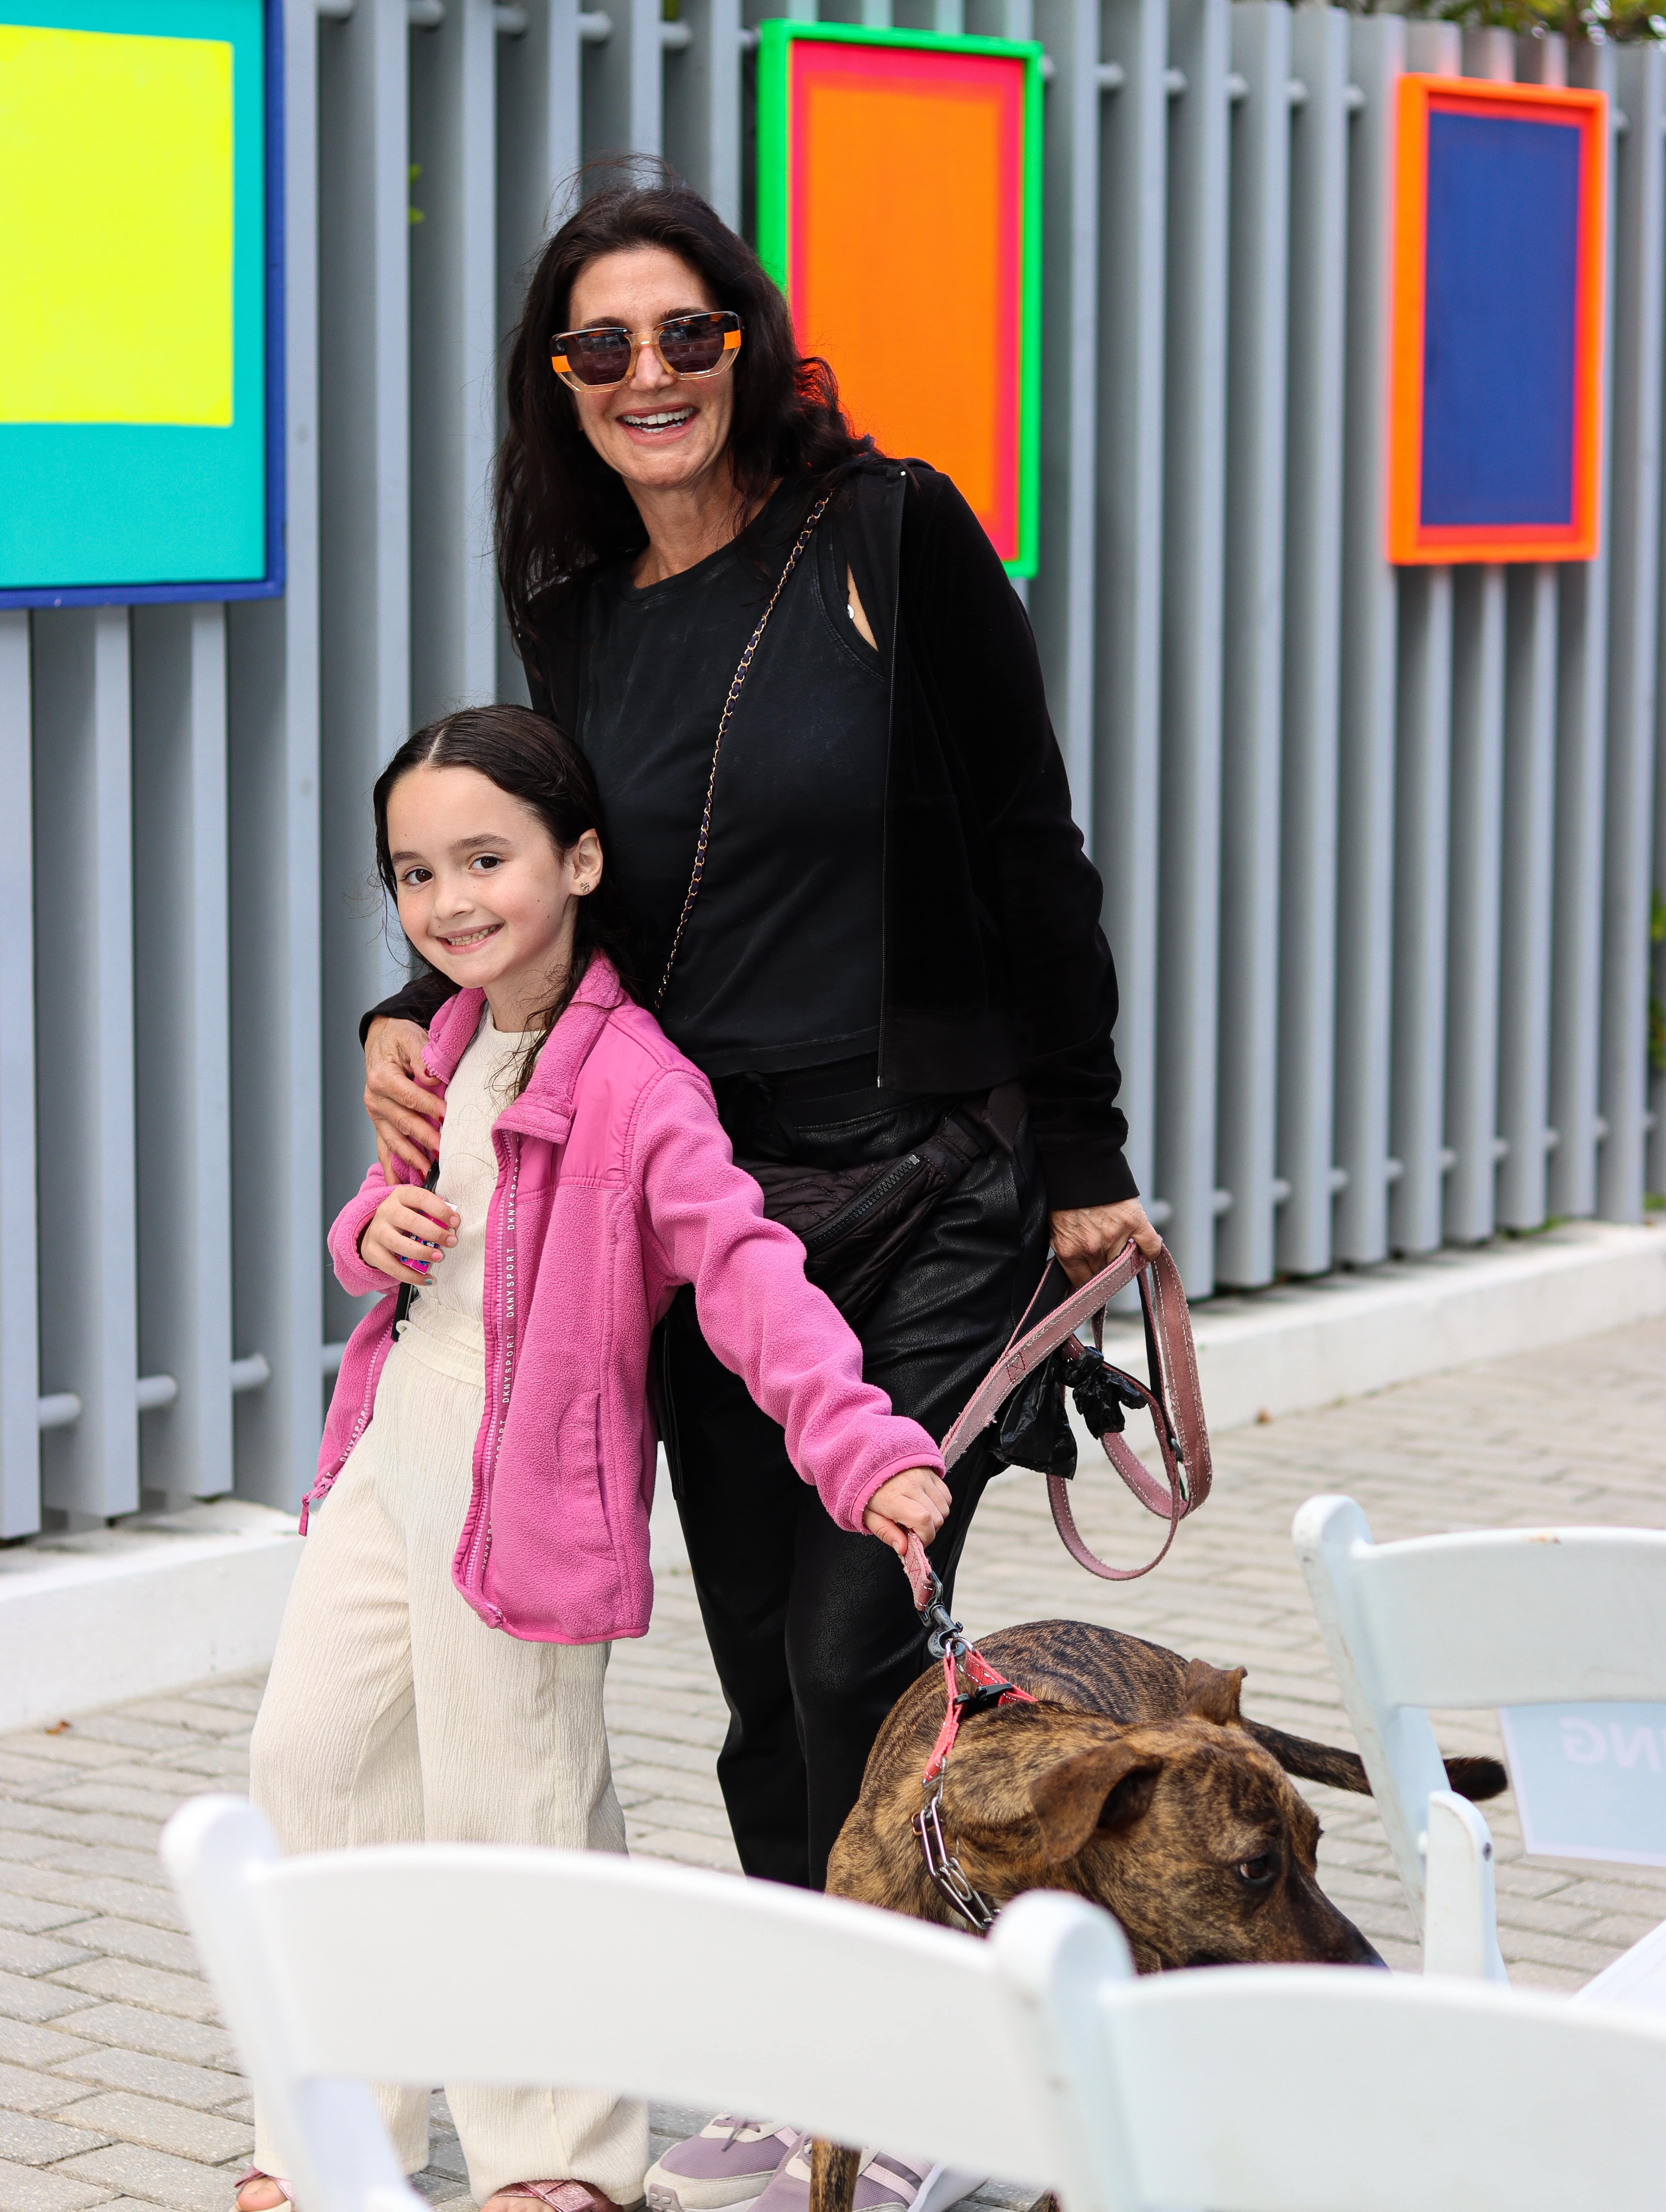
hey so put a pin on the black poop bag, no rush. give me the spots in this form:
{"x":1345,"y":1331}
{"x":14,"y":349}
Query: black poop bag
{"x":1034,"y":1428}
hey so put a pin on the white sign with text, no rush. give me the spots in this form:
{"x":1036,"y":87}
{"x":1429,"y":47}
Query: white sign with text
{"x":1590,"y":1780}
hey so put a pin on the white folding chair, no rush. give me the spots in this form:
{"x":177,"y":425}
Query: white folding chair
{"x":1493,"y":1617}
{"x":453,"y":1962}
{"x":1326,"y":2089}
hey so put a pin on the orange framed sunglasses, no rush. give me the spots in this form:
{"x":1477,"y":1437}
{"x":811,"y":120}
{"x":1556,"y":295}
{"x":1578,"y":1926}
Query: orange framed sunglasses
{"x":686,"y":345}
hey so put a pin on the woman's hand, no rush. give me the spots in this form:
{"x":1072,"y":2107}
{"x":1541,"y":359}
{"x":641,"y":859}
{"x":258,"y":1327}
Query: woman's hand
{"x":409,"y":1234}
{"x":915,"y":1502}
{"x":1087,"y":1238}
{"x":404,"y":1108}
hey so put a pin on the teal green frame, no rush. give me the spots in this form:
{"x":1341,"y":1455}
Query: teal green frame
{"x":775,"y":40}
{"x":171,"y":541}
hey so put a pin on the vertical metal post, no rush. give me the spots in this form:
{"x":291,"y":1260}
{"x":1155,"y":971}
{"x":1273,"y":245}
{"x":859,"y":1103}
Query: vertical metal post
{"x":1422,"y":784}
{"x":702,"y":104}
{"x":182,"y":1002}
{"x":364,"y":231}
{"x":1192,"y":547}
{"x":1123,"y":401}
{"x":453,"y":347}
{"x":1530,"y":792}
{"x":20,"y":1326}
{"x":537,"y":160}
{"x":272,"y":668}
{"x":83,"y":845}
{"x":1576,"y":988}
{"x":1476,"y":859}
{"x":1423,"y":761}
{"x":1529,"y":770}
{"x":1254,"y":643}
{"x":1313,"y":568}
{"x":1365,"y":900}
{"x":1469,"y":1111}
{"x":622,"y":107}
{"x":1062,"y":597}
{"x":1640,"y":235}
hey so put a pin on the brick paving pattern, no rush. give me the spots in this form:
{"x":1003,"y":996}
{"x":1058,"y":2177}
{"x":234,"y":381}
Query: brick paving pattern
{"x":119,"y":2088}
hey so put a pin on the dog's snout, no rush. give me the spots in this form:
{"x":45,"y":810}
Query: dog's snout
{"x":1368,"y":1954}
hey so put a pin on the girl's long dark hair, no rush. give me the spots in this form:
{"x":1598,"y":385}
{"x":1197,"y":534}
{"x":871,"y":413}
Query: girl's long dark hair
{"x":558,"y":505}
{"x":527,"y":755}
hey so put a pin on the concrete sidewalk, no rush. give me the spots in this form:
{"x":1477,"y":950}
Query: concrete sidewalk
{"x":117,"y":2087}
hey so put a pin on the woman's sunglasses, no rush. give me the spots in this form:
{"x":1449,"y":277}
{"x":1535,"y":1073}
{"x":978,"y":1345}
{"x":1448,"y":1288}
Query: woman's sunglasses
{"x":687,"y":345}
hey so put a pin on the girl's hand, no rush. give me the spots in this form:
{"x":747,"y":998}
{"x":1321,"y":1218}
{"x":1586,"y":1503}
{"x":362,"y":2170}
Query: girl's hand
{"x":916,"y":1501}
{"x":405,"y":1110}
{"x":409,"y":1234}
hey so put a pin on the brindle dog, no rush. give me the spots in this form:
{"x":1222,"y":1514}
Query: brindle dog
{"x":1134,"y":1781}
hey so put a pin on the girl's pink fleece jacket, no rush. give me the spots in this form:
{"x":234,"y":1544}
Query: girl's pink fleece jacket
{"x":615,"y":1185}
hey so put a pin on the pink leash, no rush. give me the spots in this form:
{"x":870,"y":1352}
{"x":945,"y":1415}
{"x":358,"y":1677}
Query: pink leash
{"x":1173,"y":1400}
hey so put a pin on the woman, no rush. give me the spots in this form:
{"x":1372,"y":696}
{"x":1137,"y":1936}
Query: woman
{"x":895,"y":917}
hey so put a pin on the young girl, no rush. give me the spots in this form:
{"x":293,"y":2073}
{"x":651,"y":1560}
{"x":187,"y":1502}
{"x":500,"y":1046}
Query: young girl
{"x":487,"y":1475}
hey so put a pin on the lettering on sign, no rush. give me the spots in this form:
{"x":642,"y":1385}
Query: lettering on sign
{"x":1590,"y":1780}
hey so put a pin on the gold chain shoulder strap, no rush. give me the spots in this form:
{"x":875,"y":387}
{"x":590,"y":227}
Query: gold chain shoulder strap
{"x":816,"y":514}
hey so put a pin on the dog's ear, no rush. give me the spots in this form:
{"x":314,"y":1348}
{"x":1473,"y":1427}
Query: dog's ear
{"x":1105,"y":1787}
{"x":1212,"y":1693}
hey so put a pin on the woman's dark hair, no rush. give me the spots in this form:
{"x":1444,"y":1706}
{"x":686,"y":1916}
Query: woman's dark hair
{"x":527,"y":755}
{"x":558,"y":505}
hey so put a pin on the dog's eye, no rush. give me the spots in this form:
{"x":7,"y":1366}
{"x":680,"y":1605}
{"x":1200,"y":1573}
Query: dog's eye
{"x":1255,"y":1873}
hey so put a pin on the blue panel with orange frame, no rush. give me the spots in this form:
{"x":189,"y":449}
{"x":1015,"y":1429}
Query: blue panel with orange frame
{"x":1496,"y":430}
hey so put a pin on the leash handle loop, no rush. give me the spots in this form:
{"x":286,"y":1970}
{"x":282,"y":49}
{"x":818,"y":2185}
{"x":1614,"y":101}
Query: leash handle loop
{"x":1173,"y":1397}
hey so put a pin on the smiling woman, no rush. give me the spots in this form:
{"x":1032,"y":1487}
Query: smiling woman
{"x":798,"y":670}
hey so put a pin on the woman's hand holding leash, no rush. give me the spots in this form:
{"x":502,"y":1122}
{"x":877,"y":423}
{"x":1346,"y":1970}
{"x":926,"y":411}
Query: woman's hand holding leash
{"x":409,"y":1234}
{"x":915,"y":1503}
{"x":1087,"y":1238}
{"x":403,"y":1110}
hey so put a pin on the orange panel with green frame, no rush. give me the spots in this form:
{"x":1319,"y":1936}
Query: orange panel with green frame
{"x":899,"y":210}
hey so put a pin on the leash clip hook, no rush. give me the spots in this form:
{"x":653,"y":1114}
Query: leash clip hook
{"x":944,"y":1634}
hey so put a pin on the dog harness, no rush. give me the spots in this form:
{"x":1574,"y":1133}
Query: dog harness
{"x":1100,"y":1391}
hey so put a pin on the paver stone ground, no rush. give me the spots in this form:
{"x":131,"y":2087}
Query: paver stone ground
{"x":119,"y":2088}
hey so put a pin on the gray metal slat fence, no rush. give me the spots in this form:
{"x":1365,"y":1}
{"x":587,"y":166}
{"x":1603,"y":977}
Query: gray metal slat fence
{"x":1378,"y":848}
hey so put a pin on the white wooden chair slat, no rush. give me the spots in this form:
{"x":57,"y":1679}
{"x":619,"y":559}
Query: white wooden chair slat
{"x":1523,"y":1617}
{"x":370,"y":1989}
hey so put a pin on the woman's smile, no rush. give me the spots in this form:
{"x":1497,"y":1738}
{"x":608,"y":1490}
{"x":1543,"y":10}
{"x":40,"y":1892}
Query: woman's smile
{"x":664,"y":422}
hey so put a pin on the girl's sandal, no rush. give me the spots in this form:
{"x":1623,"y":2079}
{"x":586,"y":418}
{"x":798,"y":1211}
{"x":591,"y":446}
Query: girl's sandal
{"x":254,"y":2173}
{"x":561,"y":2196}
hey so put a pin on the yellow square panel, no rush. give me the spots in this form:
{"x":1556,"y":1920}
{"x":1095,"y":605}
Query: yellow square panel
{"x":115,"y":228}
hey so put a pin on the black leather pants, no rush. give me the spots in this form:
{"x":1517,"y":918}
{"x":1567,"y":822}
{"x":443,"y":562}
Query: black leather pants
{"x":812,"y":1629}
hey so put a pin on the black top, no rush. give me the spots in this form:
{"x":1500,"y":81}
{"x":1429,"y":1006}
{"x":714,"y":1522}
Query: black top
{"x":779,"y":966}
{"x":993,"y":962}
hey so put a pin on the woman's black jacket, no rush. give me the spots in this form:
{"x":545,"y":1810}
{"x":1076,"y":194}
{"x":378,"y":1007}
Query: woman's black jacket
{"x":994,"y":962}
